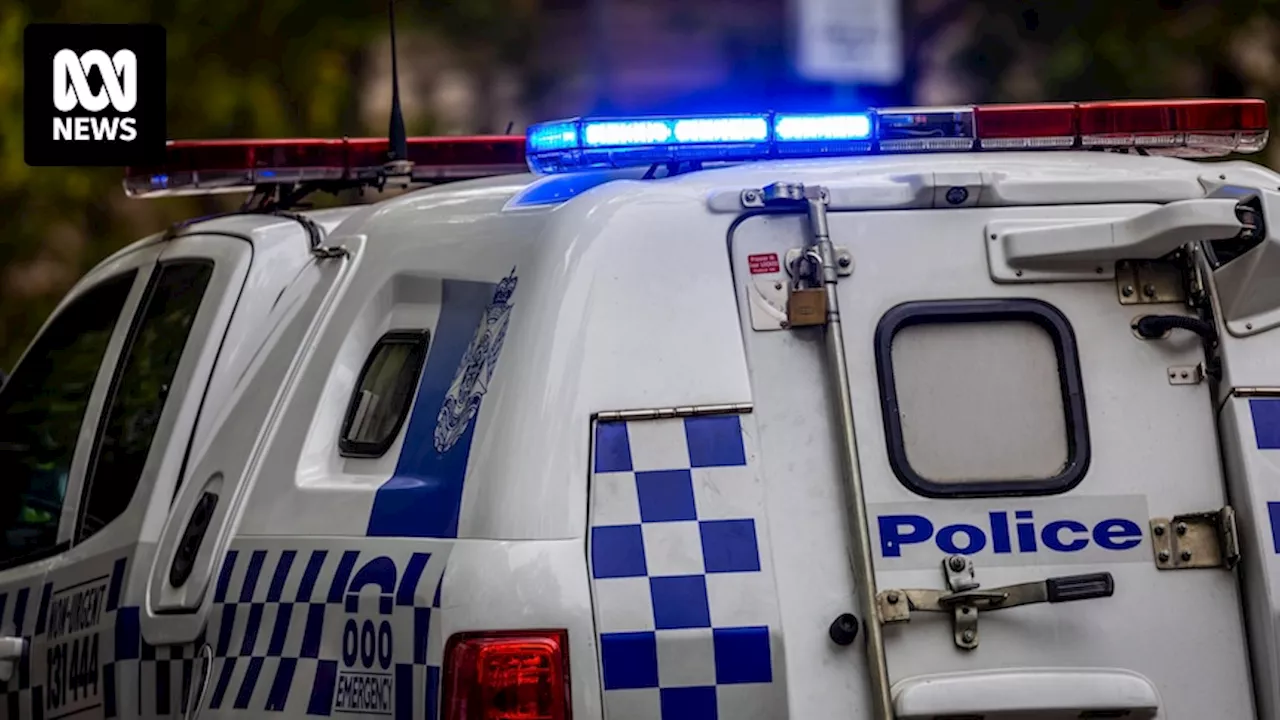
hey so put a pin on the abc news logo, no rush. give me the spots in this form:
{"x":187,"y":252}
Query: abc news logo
{"x":94,"y":95}
{"x":71,"y":91}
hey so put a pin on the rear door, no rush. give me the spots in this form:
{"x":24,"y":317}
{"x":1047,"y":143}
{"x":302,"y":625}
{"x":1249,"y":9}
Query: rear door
{"x":1012,"y":433}
{"x":49,"y":410}
{"x":98,"y":664}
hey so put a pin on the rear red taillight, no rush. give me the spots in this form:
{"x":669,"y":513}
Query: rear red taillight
{"x":515,"y":675}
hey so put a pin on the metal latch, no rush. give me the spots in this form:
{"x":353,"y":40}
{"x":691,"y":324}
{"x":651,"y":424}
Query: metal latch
{"x":963,"y":599}
{"x":1196,"y":540}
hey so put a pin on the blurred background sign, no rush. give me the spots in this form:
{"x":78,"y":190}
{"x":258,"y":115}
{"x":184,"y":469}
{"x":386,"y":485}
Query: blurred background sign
{"x":849,"y":41}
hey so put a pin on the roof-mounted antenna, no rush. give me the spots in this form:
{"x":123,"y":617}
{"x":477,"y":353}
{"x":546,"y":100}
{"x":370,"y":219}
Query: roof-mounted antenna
{"x":398,"y":163}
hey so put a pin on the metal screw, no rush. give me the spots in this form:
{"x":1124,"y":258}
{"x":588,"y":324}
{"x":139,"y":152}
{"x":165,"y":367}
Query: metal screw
{"x":1127,"y":291}
{"x":892,"y":598}
{"x":845,"y":261}
{"x":1098,"y":270}
{"x":751,"y":196}
{"x":1248,"y":326}
{"x":1149,"y":290}
{"x":1158,"y":530}
{"x":1186,"y":554}
{"x":993,"y":236}
{"x":777,"y":286}
{"x":966,"y":610}
{"x":1182,"y":527}
{"x":956,"y":562}
{"x":1164,"y":556}
{"x":1184,"y":373}
{"x":1018,"y":273}
{"x":968,"y":636}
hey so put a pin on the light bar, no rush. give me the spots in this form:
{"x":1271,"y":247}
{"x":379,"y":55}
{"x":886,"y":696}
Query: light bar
{"x":1184,"y":128}
{"x":201,"y":167}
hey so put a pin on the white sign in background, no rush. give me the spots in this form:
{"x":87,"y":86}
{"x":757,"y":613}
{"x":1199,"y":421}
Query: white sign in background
{"x":850,"y":41}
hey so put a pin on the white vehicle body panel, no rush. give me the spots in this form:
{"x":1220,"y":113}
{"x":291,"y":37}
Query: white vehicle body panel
{"x":627,"y":303}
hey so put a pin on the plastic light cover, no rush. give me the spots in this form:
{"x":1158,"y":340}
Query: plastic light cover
{"x":1203,"y":127}
{"x":1026,"y":127}
{"x":517,"y":675}
{"x":842,"y":133}
{"x":579,"y":144}
{"x":1188,"y":128}
{"x":925,"y":129}
{"x":214,"y":166}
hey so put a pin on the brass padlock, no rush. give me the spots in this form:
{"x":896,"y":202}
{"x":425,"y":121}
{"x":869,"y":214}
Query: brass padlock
{"x":806,"y":307}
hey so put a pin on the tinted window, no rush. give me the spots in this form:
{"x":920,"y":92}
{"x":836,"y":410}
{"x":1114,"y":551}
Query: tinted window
{"x":139,"y":392}
{"x":42,"y":408}
{"x":383,"y":394}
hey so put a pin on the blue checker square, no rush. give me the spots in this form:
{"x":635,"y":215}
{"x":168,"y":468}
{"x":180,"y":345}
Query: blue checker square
{"x":613,"y":448}
{"x":617,"y":551}
{"x":666,"y":496}
{"x":630,"y":660}
{"x":1266,"y":422}
{"x":688,"y":703}
{"x":730,"y":546}
{"x":742,"y":655}
{"x":715,"y":441}
{"x":680,"y":602}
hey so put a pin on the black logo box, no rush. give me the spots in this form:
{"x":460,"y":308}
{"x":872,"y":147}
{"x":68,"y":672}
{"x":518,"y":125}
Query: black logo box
{"x":40,"y":43}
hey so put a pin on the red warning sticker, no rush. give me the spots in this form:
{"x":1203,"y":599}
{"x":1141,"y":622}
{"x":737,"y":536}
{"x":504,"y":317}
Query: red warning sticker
{"x":763,"y":263}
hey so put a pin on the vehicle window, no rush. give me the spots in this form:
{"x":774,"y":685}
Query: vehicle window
{"x":982,"y":398}
{"x":383,"y":394}
{"x":42,"y":408}
{"x":139,"y":391}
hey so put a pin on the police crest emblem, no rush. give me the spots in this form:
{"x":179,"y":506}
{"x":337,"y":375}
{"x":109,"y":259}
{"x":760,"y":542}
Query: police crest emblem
{"x":471,"y":382}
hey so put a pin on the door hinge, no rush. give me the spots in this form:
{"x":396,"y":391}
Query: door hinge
{"x":1196,"y":540}
{"x":963,"y":598}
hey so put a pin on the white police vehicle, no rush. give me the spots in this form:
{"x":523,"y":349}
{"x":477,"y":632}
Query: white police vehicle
{"x":912,"y":413}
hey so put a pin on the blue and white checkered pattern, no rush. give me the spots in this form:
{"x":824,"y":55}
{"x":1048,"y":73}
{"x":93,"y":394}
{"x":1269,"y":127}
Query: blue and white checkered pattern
{"x":281,"y":614}
{"x":685,"y":601}
{"x":279,"y":625}
{"x":19,"y":616}
{"x":160,"y":676}
{"x":28,"y":612}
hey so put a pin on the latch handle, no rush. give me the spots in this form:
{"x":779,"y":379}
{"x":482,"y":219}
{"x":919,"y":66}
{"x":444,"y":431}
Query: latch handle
{"x":1080,"y":587}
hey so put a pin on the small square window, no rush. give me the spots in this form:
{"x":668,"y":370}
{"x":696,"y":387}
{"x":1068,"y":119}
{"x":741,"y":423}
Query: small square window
{"x":982,"y":398}
{"x":383,"y":394}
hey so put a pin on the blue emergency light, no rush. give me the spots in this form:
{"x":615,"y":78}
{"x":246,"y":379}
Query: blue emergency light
{"x":1203,"y":128}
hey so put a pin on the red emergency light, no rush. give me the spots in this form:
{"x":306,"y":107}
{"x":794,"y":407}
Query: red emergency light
{"x":201,"y":167}
{"x":1187,"y":128}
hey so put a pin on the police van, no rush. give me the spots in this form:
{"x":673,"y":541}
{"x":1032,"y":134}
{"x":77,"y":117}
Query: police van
{"x":924,"y":413}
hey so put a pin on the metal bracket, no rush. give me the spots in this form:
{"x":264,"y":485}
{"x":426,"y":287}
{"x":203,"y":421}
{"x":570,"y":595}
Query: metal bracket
{"x":1196,"y":540}
{"x":963,"y":599}
{"x":781,"y":193}
{"x":844,"y":260}
{"x":1146,"y":282}
{"x":1186,"y":374}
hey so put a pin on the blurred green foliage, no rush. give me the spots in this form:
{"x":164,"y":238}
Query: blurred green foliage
{"x":1112,"y":49}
